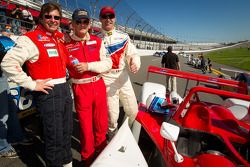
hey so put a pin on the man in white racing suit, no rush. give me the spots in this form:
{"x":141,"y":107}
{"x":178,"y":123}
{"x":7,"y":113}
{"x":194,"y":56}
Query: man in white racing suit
{"x":119,"y":87}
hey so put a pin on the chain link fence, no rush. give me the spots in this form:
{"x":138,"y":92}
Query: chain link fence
{"x":143,"y":34}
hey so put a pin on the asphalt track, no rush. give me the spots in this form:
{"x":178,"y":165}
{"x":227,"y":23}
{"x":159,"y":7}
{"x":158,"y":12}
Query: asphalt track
{"x":32,"y":156}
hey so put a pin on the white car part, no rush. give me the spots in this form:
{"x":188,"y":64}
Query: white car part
{"x":175,"y":98}
{"x":171,"y":132}
{"x":148,"y":88}
{"x":239,"y":108}
{"x":122,"y":151}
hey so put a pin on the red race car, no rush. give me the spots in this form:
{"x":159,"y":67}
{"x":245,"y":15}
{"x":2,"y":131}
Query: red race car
{"x":201,"y":128}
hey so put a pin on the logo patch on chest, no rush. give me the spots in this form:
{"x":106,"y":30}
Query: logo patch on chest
{"x":52,"y":52}
{"x":49,"y":45}
{"x":42,"y":38}
{"x":90,"y":42}
{"x":73,"y":49}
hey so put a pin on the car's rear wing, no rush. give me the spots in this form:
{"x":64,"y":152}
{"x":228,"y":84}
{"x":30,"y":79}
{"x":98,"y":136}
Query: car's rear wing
{"x":239,"y":87}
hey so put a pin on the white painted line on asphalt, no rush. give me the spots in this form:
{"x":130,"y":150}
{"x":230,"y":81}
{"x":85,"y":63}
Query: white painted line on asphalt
{"x":156,"y":59}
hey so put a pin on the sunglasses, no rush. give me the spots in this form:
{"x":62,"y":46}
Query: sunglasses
{"x":108,"y":16}
{"x":78,"y":22}
{"x":50,"y":17}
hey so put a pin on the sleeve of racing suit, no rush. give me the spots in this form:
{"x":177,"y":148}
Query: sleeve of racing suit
{"x":131,"y":52}
{"x":103,"y":65}
{"x":12,"y":62}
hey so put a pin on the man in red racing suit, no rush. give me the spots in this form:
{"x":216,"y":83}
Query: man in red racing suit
{"x":88,"y":86}
{"x":45,"y":55}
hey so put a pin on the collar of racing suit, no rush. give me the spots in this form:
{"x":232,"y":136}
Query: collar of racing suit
{"x":108,"y":33}
{"x":56,"y":34}
{"x":76,"y":38}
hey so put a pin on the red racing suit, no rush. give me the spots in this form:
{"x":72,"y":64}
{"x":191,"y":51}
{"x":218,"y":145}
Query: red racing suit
{"x":117,"y":81}
{"x":90,"y":92}
{"x":45,"y":56}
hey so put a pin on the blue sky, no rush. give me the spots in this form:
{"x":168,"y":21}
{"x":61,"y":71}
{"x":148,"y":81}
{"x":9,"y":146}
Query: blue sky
{"x":197,"y":20}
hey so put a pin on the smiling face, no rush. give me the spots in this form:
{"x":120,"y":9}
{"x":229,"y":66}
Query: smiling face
{"x":81,"y":27}
{"x":51,"y":20}
{"x":108,"y":22}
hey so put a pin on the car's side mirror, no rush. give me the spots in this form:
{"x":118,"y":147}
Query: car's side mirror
{"x":170,"y":131}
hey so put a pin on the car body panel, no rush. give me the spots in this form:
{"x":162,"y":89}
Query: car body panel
{"x":23,"y":99}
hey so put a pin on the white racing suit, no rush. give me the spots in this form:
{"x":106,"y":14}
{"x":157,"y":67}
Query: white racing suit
{"x":117,"y":81}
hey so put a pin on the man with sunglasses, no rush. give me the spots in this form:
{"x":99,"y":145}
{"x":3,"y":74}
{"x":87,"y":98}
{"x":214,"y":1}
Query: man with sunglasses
{"x":44,"y":54}
{"x":88,"y":86}
{"x":119,"y":87}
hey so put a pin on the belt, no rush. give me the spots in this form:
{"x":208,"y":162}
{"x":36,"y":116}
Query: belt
{"x":115,"y":70}
{"x":85,"y":80}
{"x":55,"y":81}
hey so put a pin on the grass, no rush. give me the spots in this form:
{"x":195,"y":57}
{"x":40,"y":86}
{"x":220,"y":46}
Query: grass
{"x":235,"y":57}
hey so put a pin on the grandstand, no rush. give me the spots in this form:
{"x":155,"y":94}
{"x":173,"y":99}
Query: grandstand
{"x":142,"y":34}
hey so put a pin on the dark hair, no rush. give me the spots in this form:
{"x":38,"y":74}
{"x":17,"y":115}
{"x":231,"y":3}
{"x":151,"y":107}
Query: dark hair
{"x":48,"y":7}
{"x":170,"y":48}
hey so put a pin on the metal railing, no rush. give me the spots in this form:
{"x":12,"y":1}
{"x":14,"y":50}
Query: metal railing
{"x":143,"y":34}
{"x":15,"y":26}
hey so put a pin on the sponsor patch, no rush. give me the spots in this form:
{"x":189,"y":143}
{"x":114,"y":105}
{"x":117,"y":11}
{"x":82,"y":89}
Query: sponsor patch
{"x":48,"y":45}
{"x":118,"y":38}
{"x":43,"y":38}
{"x":77,"y":44}
{"x":108,"y":55}
{"x":90,"y":42}
{"x":48,"y":33}
{"x":73,"y":49}
{"x":52,"y":52}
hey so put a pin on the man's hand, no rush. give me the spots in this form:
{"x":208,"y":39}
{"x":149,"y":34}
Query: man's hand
{"x":43,"y":85}
{"x":66,"y":38}
{"x":81,"y":67}
{"x":132,"y":66}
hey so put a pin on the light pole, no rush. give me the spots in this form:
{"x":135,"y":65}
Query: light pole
{"x":151,"y":37}
{"x":164,"y":41}
{"x":137,"y":24}
{"x":93,"y":5}
{"x":119,"y":25}
{"x":160,"y":40}
{"x":142,"y":31}
{"x":66,"y":4}
{"x":150,"y":28}
{"x":128,"y":20}
{"x":77,"y":6}
{"x":117,"y":2}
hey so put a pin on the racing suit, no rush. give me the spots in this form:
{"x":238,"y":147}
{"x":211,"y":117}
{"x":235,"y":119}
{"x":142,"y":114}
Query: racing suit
{"x":90,"y":92}
{"x":45,"y":57}
{"x":117,"y":81}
